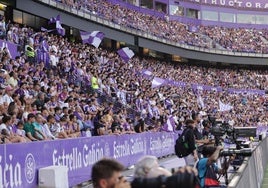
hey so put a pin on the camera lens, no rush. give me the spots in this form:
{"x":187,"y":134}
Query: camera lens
{"x":179,"y":180}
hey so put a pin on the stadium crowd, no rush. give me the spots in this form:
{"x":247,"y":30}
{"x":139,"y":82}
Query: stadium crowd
{"x":231,"y":39}
{"x":59,"y":89}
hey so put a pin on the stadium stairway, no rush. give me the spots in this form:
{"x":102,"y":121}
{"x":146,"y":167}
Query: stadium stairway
{"x":265,"y":179}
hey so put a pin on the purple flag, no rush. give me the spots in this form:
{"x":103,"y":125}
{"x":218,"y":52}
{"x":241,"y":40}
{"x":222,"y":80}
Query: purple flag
{"x":146,"y":73}
{"x":94,"y":38}
{"x":170,"y":125}
{"x":53,"y":19}
{"x":59,"y":28}
{"x":158,"y":82}
{"x":46,"y":30}
{"x":246,"y":91}
{"x":126,"y":54}
{"x":44,"y":52}
{"x":176,"y":83}
{"x":11,"y":48}
{"x":150,"y":110}
{"x":44,"y":45}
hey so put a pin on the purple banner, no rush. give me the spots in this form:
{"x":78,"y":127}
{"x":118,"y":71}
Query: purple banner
{"x":20,"y":169}
{"x":12,"y":48}
{"x":246,"y":91}
{"x":206,"y":87}
{"x":176,"y":83}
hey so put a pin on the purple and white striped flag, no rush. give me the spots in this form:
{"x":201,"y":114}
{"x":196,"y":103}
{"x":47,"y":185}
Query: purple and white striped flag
{"x":94,"y":38}
{"x":158,"y":82}
{"x":44,"y":45}
{"x":53,"y":19}
{"x":59,"y":28}
{"x":126,"y":54}
{"x":170,"y":125}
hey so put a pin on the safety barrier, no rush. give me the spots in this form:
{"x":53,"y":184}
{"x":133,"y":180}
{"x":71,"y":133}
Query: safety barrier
{"x":251,"y":172}
{"x":19,"y":163}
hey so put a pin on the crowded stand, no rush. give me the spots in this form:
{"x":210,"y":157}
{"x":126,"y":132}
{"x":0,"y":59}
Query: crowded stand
{"x":56,"y":89}
{"x":230,"y":39}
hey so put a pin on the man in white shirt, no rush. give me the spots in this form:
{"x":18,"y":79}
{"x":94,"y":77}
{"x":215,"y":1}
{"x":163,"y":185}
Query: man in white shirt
{"x":7,"y":99}
{"x":2,"y":92}
{"x":53,"y":59}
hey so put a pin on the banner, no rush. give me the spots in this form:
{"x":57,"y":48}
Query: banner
{"x":157,"y":82}
{"x":246,"y":91}
{"x":12,"y":48}
{"x":206,"y":87}
{"x":256,"y":4}
{"x":20,"y":162}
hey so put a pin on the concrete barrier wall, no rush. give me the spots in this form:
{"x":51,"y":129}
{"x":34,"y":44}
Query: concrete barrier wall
{"x":251,"y":172}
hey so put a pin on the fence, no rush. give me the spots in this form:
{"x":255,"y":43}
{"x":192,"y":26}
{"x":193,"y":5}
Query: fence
{"x":251,"y":172}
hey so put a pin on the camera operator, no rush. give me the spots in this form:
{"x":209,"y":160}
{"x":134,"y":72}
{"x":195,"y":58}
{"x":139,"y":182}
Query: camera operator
{"x":190,"y":140}
{"x":211,"y":154}
{"x":106,"y":173}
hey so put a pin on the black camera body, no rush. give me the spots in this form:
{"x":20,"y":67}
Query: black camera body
{"x":220,"y":129}
{"x":186,"y":179}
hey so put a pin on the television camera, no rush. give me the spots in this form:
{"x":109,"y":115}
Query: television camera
{"x":224,"y":131}
{"x":233,"y":136}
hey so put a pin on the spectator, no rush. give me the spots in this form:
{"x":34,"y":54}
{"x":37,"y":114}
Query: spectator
{"x":7,"y":132}
{"x":7,"y":98}
{"x":148,"y":167}
{"x":107,"y":173}
{"x":55,"y":128}
{"x":211,"y":155}
{"x":32,"y":133}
